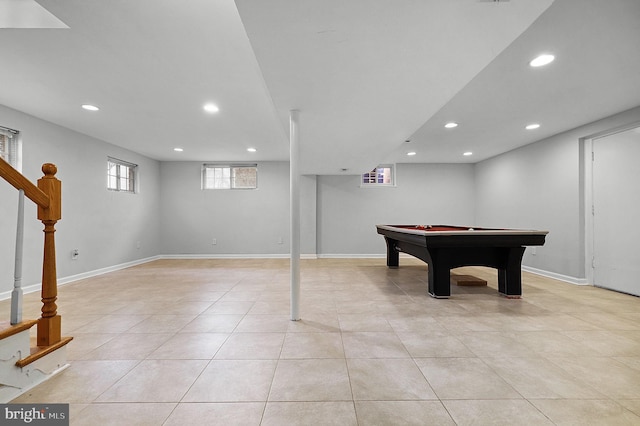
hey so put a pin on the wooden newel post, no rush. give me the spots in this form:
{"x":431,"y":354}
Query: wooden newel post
{"x":50,"y":324}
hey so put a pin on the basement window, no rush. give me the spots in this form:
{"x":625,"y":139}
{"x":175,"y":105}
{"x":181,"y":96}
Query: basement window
{"x":229,"y":176}
{"x":121,"y":175}
{"x":380,"y":176}
{"x":10,"y":147}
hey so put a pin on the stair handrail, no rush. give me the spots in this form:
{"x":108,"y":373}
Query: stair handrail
{"x":18,"y":181}
{"x":47,"y":195}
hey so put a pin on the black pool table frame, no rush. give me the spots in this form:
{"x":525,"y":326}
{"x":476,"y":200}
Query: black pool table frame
{"x":444,"y":250}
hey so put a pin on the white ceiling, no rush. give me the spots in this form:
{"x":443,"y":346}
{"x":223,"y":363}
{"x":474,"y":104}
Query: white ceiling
{"x":366,"y":75}
{"x":26,"y":14}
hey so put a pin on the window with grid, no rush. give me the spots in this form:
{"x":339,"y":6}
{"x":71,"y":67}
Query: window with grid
{"x":9,"y":146}
{"x":229,"y":176}
{"x":121,"y":175}
{"x":380,"y":176}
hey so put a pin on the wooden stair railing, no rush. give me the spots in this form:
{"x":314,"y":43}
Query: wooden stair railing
{"x":47,"y":195}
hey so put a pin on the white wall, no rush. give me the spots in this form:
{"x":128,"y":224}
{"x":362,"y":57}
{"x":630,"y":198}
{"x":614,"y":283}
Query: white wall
{"x":343,"y":221}
{"x":542,"y":186}
{"x":104,"y":226}
{"x":243,"y":222}
{"x":537,"y":186}
{"x":424,"y":194}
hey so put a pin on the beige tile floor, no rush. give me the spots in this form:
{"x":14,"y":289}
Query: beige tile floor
{"x":195,"y":342}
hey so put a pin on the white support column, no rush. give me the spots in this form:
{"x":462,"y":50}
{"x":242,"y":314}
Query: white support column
{"x":295,"y":213}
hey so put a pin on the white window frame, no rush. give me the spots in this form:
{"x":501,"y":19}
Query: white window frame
{"x":125,"y":178}
{"x":384,"y":175}
{"x":10,"y":147}
{"x":222,"y":176}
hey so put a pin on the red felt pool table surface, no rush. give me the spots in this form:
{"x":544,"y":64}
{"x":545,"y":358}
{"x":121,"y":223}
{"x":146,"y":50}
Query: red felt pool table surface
{"x":459,"y":230}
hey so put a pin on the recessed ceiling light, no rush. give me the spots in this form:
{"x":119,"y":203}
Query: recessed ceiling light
{"x":468,"y":153}
{"x":251,"y":149}
{"x":451,"y":125}
{"x":542,"y":60}
{"x":211,"y":108}
{"x":178,"y":149}
{"x":90,"y":107}
{"x":532,"y":126}
{"x":411,"y":153}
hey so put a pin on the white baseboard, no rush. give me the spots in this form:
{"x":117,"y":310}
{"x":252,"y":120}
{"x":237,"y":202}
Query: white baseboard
{"x":556,"y":276}
{"x":351,"y":256}
{"x":234,"y":256}
{"x":101,"y":271}
{"x":71,"y":278}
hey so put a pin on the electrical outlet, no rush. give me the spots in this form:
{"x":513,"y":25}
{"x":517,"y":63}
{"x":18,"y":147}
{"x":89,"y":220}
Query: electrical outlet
{"x":533,"y":251}
{"x":74,"y":254}
{"x":214,"y":242}
{"x":280,"y":240}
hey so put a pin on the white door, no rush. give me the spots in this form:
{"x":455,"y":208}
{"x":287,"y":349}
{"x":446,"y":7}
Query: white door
{"x":616,"y":211}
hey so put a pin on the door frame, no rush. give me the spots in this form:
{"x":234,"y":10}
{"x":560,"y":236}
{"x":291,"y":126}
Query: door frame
{"x":586,"y":182}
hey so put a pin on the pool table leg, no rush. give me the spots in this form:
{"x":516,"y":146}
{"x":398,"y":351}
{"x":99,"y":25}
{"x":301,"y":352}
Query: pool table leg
{"x":393,"y":255}
{"x":510,"y":275}
{"x":439,"y":281}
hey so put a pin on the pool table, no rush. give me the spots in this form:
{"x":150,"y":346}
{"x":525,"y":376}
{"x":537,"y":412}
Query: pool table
{"x":444,"y":247}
